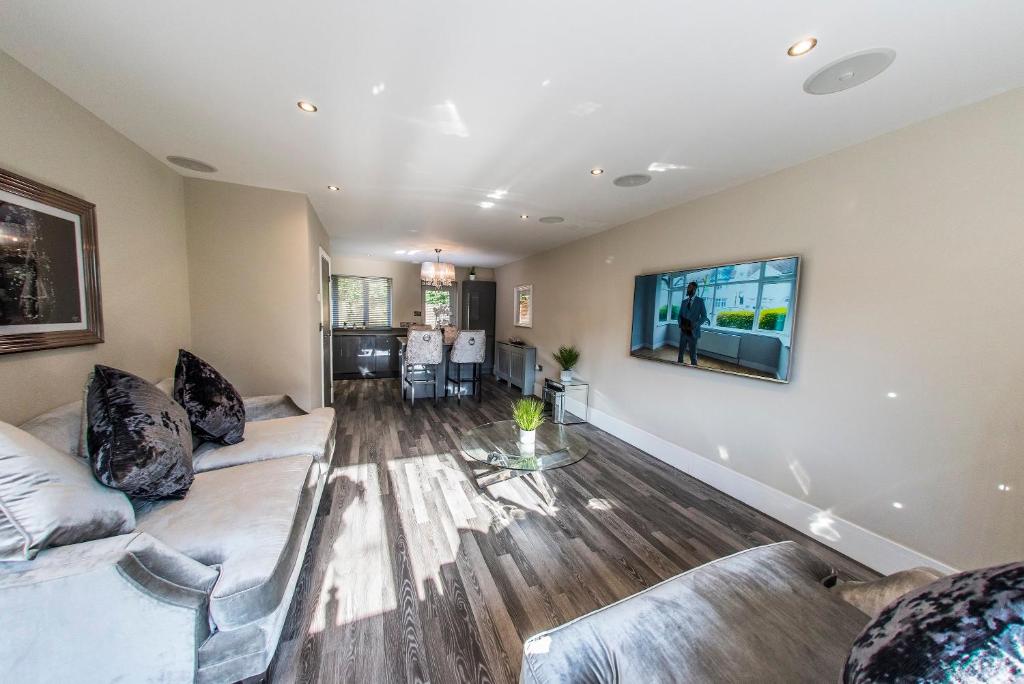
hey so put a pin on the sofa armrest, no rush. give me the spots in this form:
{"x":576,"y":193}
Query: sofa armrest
{"x":115,"y":609}
{"x":762,"y":614}
{"x":270,"y":406}
{"x":872,"y":596}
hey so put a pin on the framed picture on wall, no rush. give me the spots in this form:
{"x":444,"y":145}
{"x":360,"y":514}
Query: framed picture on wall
{"x":49,"y":268}
{"x":523,"y":306}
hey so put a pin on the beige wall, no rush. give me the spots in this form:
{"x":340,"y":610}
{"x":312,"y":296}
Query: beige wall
{"x":913,"y":245}
{"x":249,"y":267}
{"x":141,"y":230}
{"x":405,"y":281}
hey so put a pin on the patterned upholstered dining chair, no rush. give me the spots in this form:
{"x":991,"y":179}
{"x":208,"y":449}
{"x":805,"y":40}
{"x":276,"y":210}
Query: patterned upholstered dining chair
{"x":424,"y":351}
{"x":470,"y":347}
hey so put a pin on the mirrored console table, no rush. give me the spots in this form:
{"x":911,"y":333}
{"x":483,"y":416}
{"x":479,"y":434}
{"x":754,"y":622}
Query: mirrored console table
{"x":567,"y":402}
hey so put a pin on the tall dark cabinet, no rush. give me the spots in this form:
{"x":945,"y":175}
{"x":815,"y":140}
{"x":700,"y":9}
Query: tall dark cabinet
{"x":478,"y":302}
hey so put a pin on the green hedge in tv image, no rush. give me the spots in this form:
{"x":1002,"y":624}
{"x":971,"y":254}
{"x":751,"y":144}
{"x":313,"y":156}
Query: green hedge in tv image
{"x":773,"y":319}
{"x":770,"y":319}
{"x":743,"y":320}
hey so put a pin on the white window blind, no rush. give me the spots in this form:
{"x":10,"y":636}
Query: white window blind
{"x":360,"y":301}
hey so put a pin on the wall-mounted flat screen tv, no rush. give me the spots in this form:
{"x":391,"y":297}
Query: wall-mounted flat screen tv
{"x":732,"y":318}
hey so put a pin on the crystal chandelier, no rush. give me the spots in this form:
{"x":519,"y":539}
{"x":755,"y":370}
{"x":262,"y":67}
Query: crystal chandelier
{"x":437,"y":274}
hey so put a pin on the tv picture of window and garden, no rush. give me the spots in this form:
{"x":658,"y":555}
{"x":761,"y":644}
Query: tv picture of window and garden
{"x":733,"y":318}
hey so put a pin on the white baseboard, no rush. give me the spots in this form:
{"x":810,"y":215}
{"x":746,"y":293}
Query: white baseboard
{"x":865,"y":546}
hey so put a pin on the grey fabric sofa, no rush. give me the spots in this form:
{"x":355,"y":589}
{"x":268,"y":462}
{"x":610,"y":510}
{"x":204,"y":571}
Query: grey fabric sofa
{"x":761,"y":615}
{"x":200,"y":589}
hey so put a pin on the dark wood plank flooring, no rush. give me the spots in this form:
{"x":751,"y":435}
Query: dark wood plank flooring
{"x":414,"y":575}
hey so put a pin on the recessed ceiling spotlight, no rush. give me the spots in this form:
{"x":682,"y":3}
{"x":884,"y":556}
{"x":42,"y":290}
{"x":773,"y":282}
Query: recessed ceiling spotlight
{"x":802,"y":47}
{"x":551,"y":219}
{"x":399,"y":251}
{"x":524,"y":216}
{"x":596,"y":171}
{"x":333,"y":188}
{"x":307,"y":107}
{"x":497,"y":194}
{"x":191,"y":164}
{"x":485,"y":205}
{"x":632,"y":180}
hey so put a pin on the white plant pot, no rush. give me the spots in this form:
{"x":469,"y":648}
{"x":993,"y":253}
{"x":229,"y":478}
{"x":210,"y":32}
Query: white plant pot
{"x":566,"y":375}
{"x":527,"y":438}
{"x":472,"y":276}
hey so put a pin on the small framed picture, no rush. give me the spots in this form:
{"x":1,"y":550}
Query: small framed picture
{"x":49,"y":268}
{"x":523,"y":306}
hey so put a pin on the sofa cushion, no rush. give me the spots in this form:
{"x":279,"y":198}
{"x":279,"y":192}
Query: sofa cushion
{"x":48,"y":498}
{"x":967,"y":627}
{"x":309,"y":435}
{"x":758,"y":615}
{"x":249,"y":520}
{"x":139,"y":439}
{"x":214,"y":406}
{"x":61,"y":428}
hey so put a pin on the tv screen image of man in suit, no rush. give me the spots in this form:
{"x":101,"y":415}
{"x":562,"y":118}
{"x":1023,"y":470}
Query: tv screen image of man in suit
{"x":692,"y":315}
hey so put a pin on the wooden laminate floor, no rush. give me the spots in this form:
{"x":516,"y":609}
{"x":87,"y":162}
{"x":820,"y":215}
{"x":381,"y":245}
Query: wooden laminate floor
{"x":413,"y":574}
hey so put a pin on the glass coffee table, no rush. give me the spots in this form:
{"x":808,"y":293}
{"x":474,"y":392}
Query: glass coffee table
{"x":498,"y":445}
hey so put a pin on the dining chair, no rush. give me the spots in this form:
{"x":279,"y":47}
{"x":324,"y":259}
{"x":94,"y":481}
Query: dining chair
{"x":424,"y":352}
{"x":470,"y":348}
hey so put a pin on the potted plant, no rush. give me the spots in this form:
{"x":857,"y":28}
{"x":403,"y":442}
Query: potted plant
{"x":528,"y":413}
{"x":472,"y":272}
{"x":567,"y":358}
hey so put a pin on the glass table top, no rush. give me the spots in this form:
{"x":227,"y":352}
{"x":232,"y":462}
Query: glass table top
{"x":498,"y":445}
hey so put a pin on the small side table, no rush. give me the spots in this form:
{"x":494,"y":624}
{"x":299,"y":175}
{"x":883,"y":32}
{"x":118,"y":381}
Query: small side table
{"x":565,"y":400}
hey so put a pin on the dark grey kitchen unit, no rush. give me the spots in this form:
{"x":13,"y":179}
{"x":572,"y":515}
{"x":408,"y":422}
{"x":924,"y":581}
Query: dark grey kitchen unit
{"x":366,"y":353}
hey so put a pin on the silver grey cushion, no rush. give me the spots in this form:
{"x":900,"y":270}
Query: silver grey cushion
{"x":249,"y":521}
{"x":61,"y":428}
{"x":49,"y":498}
{"x":311,"y":434}
{"x":761,"y":615}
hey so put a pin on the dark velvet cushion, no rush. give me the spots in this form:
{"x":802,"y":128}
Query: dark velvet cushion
{"x":967,"y":627}
{"x":138,"y":438}
{"x":213,"y":405}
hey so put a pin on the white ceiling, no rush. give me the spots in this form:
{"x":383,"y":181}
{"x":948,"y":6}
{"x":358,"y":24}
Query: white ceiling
{"x":522,"y":96}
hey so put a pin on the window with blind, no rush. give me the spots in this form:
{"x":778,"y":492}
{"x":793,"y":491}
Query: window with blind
{"x":358,"y":301}
{"x":441,"y":300}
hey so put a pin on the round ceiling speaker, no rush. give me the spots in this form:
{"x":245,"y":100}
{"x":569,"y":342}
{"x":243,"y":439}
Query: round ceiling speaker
{"x":850,"y":71}
{"x":191,"y":164}
{"x":551,"y":219}
{"x":632,"y":180}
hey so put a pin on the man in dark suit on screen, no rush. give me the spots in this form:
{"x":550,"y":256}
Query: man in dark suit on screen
{"x":692,"y":315}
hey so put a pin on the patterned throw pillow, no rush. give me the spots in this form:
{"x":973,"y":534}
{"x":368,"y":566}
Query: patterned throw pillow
{"x":967,"y":627}
{"x":213,"y":405}
{"x":138,"y":438}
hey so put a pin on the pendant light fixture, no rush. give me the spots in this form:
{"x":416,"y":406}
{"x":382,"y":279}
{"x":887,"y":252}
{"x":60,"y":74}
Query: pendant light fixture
{"x":437,"y":274}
